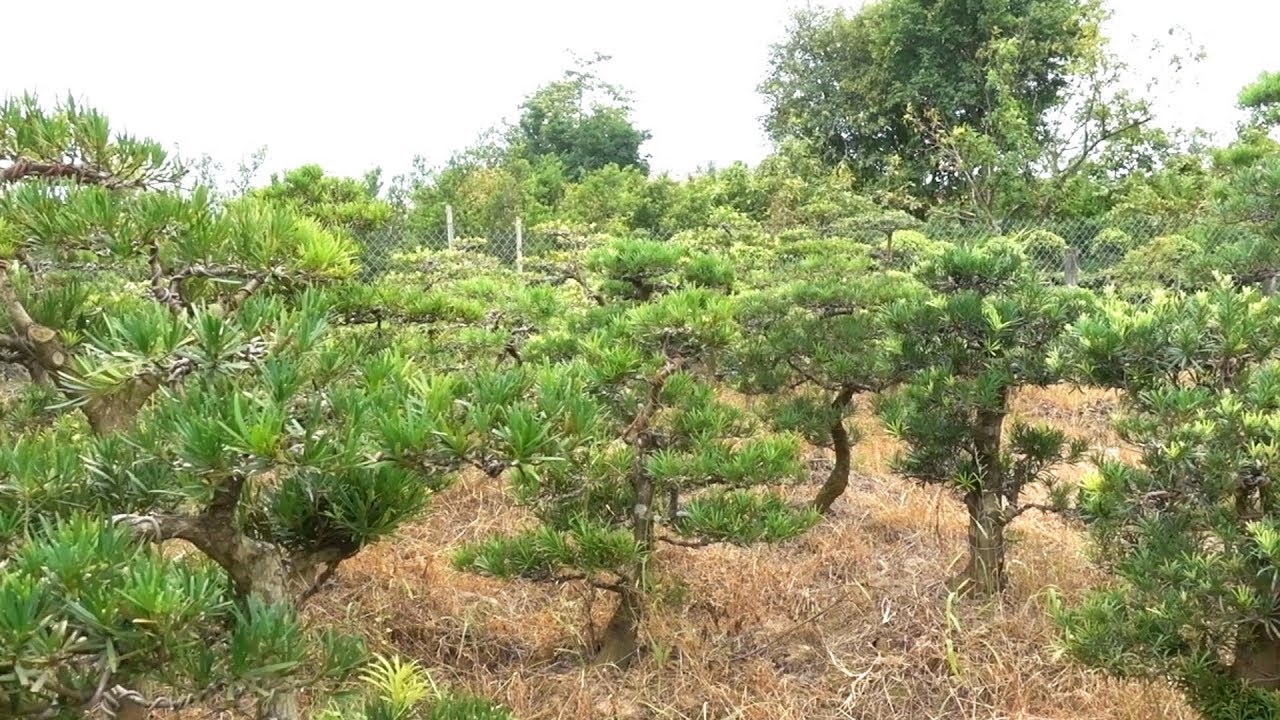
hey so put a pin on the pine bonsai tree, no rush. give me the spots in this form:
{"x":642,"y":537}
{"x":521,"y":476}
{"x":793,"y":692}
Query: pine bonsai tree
{"x":1191,"y":533}
{"x":225,"y":417}
{"x":275,"y":474}
{"x":105,"y":261}
{"x":815,"y":344}
{"x":449,"y":309}
{"x":620,"y":442}
{"x":989,"y":329}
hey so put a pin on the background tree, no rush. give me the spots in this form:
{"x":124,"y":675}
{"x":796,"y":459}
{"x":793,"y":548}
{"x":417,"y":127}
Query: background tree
{"x":1190,"y":533}
{"x":582,"y":121}
{"x":989,"y":330}
{"x":350,"y":207}
{"x":851,"y":84}
{"x":488,"y":189}
{"x":1248,"y":191}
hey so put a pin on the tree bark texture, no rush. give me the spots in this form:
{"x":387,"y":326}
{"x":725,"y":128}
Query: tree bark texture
{"x":838,"y":479}
{"x":620,"y":642}
{"x":985,"y":573}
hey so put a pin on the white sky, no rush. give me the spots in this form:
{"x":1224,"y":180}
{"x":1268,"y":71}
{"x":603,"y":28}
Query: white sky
{"x":358,"y":84}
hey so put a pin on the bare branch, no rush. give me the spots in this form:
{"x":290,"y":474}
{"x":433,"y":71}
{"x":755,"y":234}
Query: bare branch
{"x":617,"y":587}
{"x":26,"y":261}
{"x":575,"y":274}
{"x":162,"y":289}
{"x":23,"y":168}
{"x":1091,"y":145}
{"x":245,"y":291}
{"x":833,"y":312}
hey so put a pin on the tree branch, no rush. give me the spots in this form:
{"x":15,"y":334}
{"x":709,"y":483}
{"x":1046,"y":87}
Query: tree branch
{"x":254,"y":280}
{"x":23,"y":168}
{"x":162,"y":289}
{"x":329,"y":569}
{"x":1090,"y":145}
{"x":645,"y":416}
{"x":597,"y":583}
{"x":18,"y":315}
{"x":827,"y":313}
{"x":25,"y":259}
{"x":575,"y":274}
{"x":245,"y":291}
{"x":158,"y":528}
{"x":1009,"y":516}
{"x":39,"y":341}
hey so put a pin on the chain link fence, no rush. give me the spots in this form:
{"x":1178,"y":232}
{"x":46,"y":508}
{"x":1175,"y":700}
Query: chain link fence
{"x":1076,"y":252}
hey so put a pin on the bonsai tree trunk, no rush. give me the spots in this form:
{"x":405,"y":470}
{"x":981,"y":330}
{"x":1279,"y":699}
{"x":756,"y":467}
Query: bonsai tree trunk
{"x":113,"y":413}
{"x":621,"y":635}
{"x":620,"y":641}
{"x":256,"y":568}
{"x":1257,"y":660}
{"x":838,"y":480}
{"x":986,"y":503}
{"x":984,"y":573}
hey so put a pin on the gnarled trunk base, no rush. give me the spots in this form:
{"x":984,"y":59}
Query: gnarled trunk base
{"x":838,"y":480}
{"x":116,"y":412}
{"x":621,"y":639}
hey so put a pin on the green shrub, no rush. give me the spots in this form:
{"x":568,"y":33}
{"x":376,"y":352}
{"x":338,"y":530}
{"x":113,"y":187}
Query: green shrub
{"x":1162,"y":262}
{"x":909,"y":249}
{"x":1044,"y":249}
{"x":1110,"y":245}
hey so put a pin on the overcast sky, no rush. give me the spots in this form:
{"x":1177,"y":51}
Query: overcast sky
{"x":357,"y":84}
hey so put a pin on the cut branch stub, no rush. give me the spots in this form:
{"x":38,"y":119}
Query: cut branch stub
{"x":46,"y":347}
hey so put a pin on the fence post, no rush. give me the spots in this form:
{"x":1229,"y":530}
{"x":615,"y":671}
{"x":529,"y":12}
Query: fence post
{"x":519,"y":245}
{"x":1070,"y":266}
{"x":448,"y":224}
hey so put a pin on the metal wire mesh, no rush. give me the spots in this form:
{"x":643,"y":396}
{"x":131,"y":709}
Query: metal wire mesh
{"x":1075,"y":252}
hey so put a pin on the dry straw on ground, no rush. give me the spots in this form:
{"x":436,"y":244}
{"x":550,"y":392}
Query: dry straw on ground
{"x":848,"y":621}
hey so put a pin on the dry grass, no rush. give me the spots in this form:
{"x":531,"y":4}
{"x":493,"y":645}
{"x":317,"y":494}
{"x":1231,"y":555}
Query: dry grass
{"x":849,"y":621}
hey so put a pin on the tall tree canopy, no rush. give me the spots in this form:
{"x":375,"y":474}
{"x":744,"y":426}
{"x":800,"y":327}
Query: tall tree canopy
{"x":583,"y":121}
{"x":858,"y":86}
